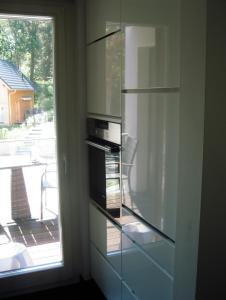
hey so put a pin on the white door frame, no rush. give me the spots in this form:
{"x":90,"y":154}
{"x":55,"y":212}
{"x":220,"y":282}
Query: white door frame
{"x":63,"y":13}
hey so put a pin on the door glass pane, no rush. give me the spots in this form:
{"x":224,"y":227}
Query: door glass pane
{"x":29,"y":208}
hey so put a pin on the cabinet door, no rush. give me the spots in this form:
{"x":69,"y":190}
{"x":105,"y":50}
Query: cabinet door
{"x":103,"y":76}
{"x":158,"y":248}
{"x":106,"y":278}
{"x":151,"y":43}
{"x":145,"y":278}
{"x":102,"y":18}
{"x":106,"y":237}
{"x":150,"y":157}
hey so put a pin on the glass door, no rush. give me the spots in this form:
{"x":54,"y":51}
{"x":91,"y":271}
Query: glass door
{"x":30,"y":227}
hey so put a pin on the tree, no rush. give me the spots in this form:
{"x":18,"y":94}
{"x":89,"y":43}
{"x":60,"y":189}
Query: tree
{"x":28,"y":44}
{"x":6,"y":41}
{"x":19,"y":36}
{"x":45,"y":37}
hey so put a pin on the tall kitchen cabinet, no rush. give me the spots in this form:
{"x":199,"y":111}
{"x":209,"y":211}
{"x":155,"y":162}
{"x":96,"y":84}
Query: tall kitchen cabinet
{"x":162,"y":83}
{"x":163,"y":88}
{"x":103,"y":91}
{"x":150,"y":110}
{"x":150,"y":127}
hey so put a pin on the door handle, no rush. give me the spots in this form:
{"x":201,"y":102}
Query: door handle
{"x":101,"y":147}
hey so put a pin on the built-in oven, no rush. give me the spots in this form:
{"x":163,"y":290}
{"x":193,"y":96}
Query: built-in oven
{"x":104,"y":140}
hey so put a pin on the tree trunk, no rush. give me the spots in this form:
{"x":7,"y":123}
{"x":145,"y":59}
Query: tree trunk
{"x":33,"y":50}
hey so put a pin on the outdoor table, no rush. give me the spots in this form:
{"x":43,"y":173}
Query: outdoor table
{"x":14,"y":256}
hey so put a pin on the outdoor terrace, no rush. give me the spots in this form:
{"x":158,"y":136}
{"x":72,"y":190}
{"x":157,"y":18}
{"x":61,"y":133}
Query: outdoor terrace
{"x":29,"y":213}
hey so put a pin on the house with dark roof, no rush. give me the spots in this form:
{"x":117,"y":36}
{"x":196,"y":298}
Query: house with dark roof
{"x":16,"y":94}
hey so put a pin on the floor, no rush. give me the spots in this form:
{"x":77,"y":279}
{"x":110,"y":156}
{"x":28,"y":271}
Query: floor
{"x":20,"y":216}
{"x":41,"y":239}
{"x":83,"y":290}
{"x":34,"y":232}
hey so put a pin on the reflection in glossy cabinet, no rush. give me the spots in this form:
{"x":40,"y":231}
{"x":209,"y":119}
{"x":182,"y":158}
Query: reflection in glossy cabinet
{"x":150,"y":43}
{"x":146,"y":279}
{"x":103,"y":76}
{"x":153,"y":244}
{"x":104,"y":275}
{"x":106,"y":237}
{"x":102,"y":18}
{"x":149,"y":158}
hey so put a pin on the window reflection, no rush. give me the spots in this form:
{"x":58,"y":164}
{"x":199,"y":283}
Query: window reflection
{"x":149,"y":158}
{"x":113,"y":238}
{"x":112,"y":72}
{"x":150,"y":59}
{"x":111,"y":26}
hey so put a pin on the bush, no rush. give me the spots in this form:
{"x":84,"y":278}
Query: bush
{"x":50,"y":115}
{"x":3,"y":133}
{"x":44,"y":95}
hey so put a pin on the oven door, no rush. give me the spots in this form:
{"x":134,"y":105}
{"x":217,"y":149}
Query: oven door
{"x":104,"y":176}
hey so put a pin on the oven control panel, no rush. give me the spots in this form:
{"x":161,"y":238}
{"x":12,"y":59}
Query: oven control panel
{"x":104,"y":130}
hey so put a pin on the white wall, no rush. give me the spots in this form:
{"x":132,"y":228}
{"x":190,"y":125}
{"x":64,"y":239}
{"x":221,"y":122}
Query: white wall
{"x":212,"y":244}
{"x":191,"y":120}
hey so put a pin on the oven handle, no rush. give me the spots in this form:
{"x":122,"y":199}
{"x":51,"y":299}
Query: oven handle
{"x":98,"y":146}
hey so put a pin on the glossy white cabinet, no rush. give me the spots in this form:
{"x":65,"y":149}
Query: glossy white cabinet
{"x":151,"y":51}
{"x":150,"y":131}
{"x":106,"y":237}
{"x":126,"y":293}
{"x":104,"y":275}
{"x":158,"y":248}
{"x":144,"y":276}
{"x":103,"y":76}
{"x":102,"y":18}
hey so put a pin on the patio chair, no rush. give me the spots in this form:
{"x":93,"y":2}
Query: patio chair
{"x":128,"y":157}
{"x":48,"y":181}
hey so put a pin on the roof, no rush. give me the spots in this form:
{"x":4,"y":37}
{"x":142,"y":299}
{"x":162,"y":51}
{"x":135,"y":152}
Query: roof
{"x":13,"y":77}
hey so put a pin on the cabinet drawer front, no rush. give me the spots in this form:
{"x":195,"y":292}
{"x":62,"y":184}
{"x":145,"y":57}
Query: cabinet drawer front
{"x":151,"y":43}
{"x":106,"y":278}
{"x":103,"y":76}
{"x":102,"y":18}
{"x":106,"y":237}
{"x":159,"y":248}
{"x":126,"y":293}
{"x":144,"y":276}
